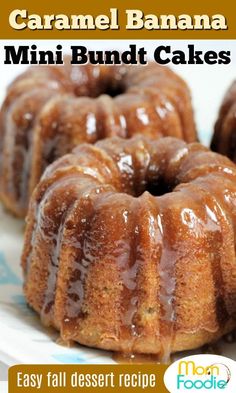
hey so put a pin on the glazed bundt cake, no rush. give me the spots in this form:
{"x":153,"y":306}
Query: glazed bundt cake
{"x":49,"y":110}
{"x":224,"y":138}
{"x":130,"y":245}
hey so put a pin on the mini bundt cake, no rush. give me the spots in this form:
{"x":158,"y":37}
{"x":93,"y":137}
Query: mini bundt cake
{"x":130,"y":245}
{"x":224,"y":138}
{"x":50,"y":110}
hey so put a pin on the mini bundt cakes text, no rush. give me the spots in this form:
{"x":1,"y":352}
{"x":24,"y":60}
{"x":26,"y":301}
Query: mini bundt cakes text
{"x":49,"y":110}
{"x":130,"y":245}
{"x":224,"y":138}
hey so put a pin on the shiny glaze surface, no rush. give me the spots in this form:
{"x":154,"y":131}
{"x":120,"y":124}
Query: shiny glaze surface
{"x":50,"y":110}
{"x":113,"y":266}
{"x":224,"y":137}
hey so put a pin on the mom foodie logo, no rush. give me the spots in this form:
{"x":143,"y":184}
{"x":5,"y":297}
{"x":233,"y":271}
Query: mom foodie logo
{"x":201,"y":373}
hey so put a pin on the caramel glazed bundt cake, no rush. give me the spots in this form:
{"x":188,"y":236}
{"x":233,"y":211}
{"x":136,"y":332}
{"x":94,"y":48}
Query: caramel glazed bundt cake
{"x":49,"y":110}
{"x":224,"y":138}
{"x":130,"y":245}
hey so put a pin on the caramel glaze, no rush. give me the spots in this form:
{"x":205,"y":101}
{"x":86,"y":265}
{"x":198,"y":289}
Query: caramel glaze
{"x":224,"y":137}
{"x":114,"y":267}
{"x":50,"y":110}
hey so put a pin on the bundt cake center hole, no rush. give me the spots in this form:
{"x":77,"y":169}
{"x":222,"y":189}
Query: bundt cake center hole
{"x":156,"y":188}
{"x":114,"y":91}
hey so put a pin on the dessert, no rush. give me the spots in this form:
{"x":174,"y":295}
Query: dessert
{"x":49,"y":110}
{"x":130,"y":245}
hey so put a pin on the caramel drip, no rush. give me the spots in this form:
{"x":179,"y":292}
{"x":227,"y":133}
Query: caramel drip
{"x":214,"y":244}
{"x":51,"y":232}
{"x":37,"y":207}
{"x":167,"y":117}
{"x":28,"y":258}
{"x":65,"y":343}
{"x":215,"y":252}
{"x":26,"y":149}
{"x":20,"y":120}
{"x":129,"y":270}
{"x":157,"y":112}
{"x":173,"y":90}
{"x":224,"y":202}
{"x":60,"y":238}
{"x":166,"y":269}
{"x":53,"y":266}
{"x":110,"y":122}
{"x":128,"y":265}
{"x":148,"y":280}
{"x":83,"y":258}
{"x":102,"y":248}
{"x":81,"y":262}
{"x":30,"y":236}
